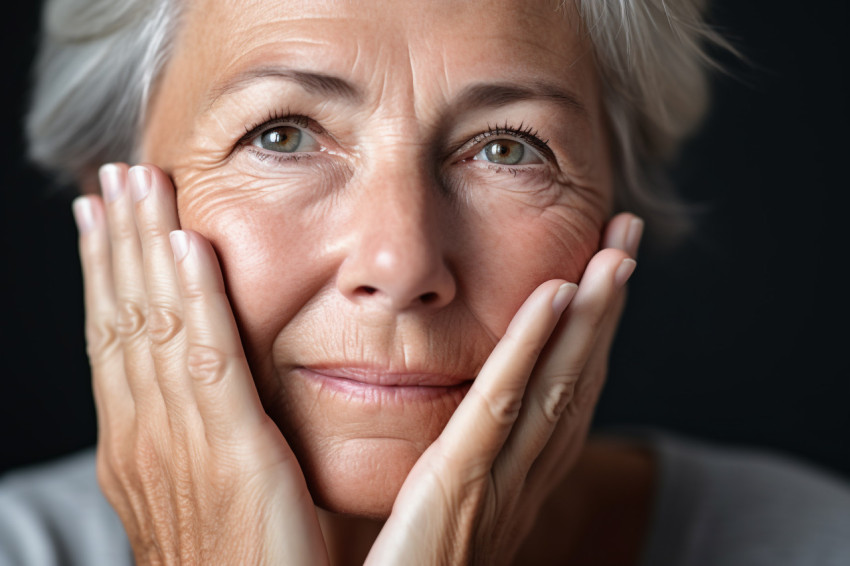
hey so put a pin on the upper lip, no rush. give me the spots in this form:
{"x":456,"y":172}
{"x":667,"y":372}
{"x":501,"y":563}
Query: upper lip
{"x":371,"y":375}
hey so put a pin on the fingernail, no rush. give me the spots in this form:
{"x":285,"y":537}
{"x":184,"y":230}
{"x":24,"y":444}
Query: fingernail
{"x":633,"y":236}
{"x":83,"y":214}
{"x":179,"y":244}
{"x":110,"y":182}
{"x":627,"y":267}
{"x":565,"y":294}
{"x":140,"y":182}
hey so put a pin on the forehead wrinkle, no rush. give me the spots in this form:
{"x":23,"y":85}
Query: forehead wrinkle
{"x":319,"y":84}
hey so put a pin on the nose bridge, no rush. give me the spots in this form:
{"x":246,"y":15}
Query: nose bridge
{"x":400,"y":201}
{"x":396,"y":258}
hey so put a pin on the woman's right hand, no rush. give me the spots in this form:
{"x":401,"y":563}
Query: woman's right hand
{"x":196,"y":470}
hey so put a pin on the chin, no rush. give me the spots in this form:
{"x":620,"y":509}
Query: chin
{"x":359,"y":477}
{"x":356,"y":442}
{"x":355,"y":461}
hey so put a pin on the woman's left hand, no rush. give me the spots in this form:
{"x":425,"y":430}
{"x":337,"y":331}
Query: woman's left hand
{"x":474,"y":494}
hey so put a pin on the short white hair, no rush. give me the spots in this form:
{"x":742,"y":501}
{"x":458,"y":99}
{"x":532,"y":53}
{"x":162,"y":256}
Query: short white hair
{"x":100,"y":59}
{"x":653,"y":59}
{"x":97,"y":65}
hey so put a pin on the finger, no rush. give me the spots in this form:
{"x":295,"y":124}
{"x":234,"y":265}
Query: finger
{"x":623,"y":232}
{"x":156,"y":217}
{"x":221,"y":380}
{"x":105,"y":357}
{"x":129,"y":281}
{"x":563,"y":362}
{"x":483,"y":420}
{"x":597,"y":364}
{"x":558,"y":456}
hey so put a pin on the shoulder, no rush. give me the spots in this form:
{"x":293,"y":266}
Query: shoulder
{"x":56,"y":514}
{"x":731,"y":506}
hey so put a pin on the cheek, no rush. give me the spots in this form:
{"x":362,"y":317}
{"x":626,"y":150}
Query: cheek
{"x":512,"y":247}
{"x":280,"y":242}
{"x":267,"y":235}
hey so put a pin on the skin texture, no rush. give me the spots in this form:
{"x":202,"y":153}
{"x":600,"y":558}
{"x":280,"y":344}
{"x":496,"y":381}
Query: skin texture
{"x":389,"y":247}
{"x":387,"y":205}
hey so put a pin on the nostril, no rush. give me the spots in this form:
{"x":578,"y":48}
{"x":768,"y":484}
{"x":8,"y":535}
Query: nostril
{"x":368,"y":291}
{"x":428,"y":298}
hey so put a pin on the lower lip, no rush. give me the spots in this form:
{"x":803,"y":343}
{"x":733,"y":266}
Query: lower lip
{"x":374,"y":393}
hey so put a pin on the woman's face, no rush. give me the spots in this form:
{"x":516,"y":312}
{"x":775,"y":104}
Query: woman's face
{"x":385,"y":182}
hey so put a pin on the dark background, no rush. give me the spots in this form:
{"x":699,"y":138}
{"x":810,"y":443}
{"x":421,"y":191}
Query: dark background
{"x":738,"y":337}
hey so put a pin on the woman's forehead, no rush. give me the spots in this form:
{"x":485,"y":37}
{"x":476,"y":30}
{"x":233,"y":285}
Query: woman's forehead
{"x":376,"y":45}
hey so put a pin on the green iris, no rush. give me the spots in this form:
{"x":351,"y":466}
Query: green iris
{"x":284,"y":139}
{"x":504,"y":152}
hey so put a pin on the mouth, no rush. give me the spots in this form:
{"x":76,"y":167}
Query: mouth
{"x":373,"y":384}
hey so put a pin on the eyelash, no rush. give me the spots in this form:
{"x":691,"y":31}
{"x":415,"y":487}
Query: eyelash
{"x":522,"y":132}
{"x":270,"y":120}
{"x":276,"y":118}
{"x":525,"y":133}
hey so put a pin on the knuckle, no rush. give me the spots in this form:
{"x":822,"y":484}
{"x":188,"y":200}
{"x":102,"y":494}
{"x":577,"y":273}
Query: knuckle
{"x":557,"y":397}
{"x":100,"y":338}
{"x":503,"y":406}
{"x":206,"y":364}
{"x":113,"y":468}
{"x":107,"y":479}
{"x":193,"y":291}
{"x":129,"y":319}
{"x":163,"y":324}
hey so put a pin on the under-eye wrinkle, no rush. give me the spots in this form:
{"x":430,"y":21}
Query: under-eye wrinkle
{"x":277,"y":156}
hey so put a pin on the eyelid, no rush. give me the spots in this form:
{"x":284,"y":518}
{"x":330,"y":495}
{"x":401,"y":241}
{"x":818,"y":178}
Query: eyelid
{"x":531,"y":150}
{"x":273,"y":121}
{"x":527,"y":136}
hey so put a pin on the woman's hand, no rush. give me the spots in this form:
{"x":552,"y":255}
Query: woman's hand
{"x":198,"y":472}
{"x":475,"y":493}
{"x":186,"y":455}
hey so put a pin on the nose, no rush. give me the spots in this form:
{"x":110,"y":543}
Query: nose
{"x":395,"y":258}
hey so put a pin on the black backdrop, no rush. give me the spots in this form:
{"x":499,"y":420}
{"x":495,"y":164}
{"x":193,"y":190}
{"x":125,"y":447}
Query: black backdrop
{"x":739,"y":337}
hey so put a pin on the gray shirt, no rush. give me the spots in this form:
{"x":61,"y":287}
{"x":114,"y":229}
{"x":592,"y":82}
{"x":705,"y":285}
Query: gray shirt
{"x":713,"y":507}
{"x":726,"y":507}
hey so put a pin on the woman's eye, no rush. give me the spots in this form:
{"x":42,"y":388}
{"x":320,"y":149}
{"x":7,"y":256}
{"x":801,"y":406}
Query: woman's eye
{"x":286,"y":139}
{"x":508,"y":152}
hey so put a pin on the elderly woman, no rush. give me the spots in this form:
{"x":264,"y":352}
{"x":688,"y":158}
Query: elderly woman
{"x":333,"y":315}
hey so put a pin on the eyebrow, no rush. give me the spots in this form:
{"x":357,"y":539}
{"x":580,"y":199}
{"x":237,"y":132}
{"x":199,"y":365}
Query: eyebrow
{"x":314,"y":83}
{"x":480,"y":95}
{"x":492,"y":95}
